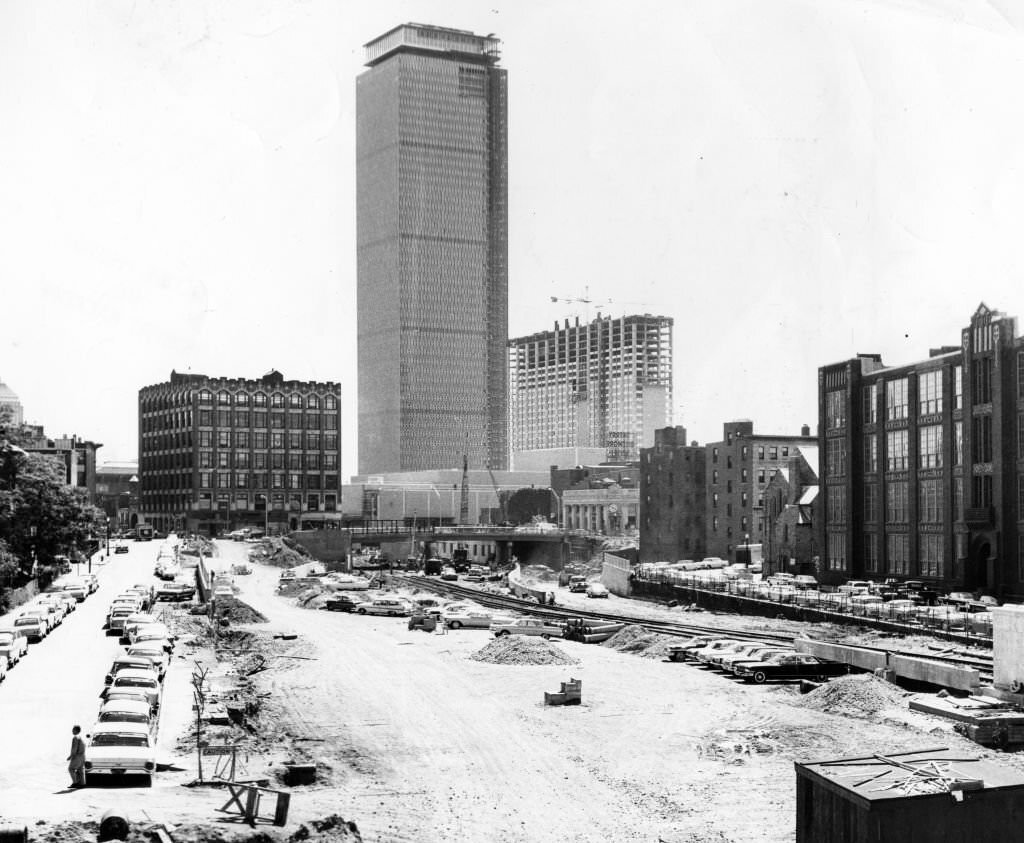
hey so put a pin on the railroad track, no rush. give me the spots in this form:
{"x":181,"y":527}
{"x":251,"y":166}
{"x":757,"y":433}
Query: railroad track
{"x":673,"y":628}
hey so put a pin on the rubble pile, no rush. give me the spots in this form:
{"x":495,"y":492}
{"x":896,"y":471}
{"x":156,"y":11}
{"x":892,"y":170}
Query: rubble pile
{"x":273,"y":551}
{"x":238,"y":612}
{"x":519,"y":649}
{"x":854,"y":696}
{"x":642,"y":642}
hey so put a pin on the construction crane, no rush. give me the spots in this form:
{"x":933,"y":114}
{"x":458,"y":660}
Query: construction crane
{"x":464,"y":497}
{"x":497,"y":494}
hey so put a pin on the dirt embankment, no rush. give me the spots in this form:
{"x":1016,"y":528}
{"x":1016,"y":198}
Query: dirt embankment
{"x":277,"y":552}
{"x":330,"y":829}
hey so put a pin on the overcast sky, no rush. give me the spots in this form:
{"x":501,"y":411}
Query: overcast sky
{"x":793,"y":182}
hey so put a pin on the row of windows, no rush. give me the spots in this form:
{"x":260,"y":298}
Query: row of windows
{"x":897,"y":448}
{"x":295,"y":440}
{"x":261,"y":480}
{"x":278,"y":501}
{"x":240,"y":419}
{"x":930,"y":548}
{"x":243,"y":459}
{"x":259,"y":399}
{"x":897,"y":399}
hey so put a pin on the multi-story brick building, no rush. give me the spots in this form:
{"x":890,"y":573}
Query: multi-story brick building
{"x":216,"y":454}
{"x":605,"y":384}
{"x":792,"y":507}
{"x":672,"y":491}
{"x":923,"y":464}
{"x":432,"y":248}
{"x":737,"y":471}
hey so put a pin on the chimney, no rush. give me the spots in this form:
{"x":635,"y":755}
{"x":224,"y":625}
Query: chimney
{"x":805,"y":430}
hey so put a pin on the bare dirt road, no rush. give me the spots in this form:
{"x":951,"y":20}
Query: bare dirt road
{"x":414,"y":740}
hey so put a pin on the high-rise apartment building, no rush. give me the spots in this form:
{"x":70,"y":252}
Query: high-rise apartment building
{"x":605,"y":384}
{"x":923,"y":464}
{"x":216,"y":454}
{"x":432,"y":235}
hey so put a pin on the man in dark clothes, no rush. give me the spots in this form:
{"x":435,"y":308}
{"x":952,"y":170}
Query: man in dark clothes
{"x":76,"y":760}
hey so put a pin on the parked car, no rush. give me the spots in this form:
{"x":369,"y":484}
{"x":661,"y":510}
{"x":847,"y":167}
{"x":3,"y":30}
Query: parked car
{"x":791,"y":666}
{"x":428,"y":606}
{"x":710,"y":656}
{"x":392,"y":606}
{"x":118,"y":615}
{"x":130,"y":662}
{"x":596,"y":589}
{"x":74,"y":588}
{"x":344,"y":603}
{"x":699,"y":653}
{"x":805,"y":581}
{"x":752,"y":652}
{"x":762,"y":655}
{"x":120,"y":547}
{"x":527,"y":626}
{"x":345,"y":582}
{"x":449,"y":574}
{"x":92,"y":581}
{"x":118,"y":749}
{"x":126,"y":711}
{"x":852,"y":587}
{"x":682,"y":652}
{"x":56,"y":607}
{"x":578,"y":584}
{"x":154,"y":651}
{"x":44,"y":613}
{"x":957,"y":598}
{"x":13,"y":644}
{"x":137,"y":681}
{"x":35,"y":627}
{"x":156,"y":632}
{"x":175,"y":592}
{"x":468,"y":618}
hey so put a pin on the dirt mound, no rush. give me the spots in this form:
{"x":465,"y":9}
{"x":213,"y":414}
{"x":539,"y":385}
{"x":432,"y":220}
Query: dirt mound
{"x":238,"y":612}
{"x":274,"y":551}
{"x":519,"y":649}
{"x":538,"y":573}
{"x":853,"y":696}
{"x":636,"y":639}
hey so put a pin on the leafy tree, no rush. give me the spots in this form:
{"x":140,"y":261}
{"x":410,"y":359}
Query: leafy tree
{"x":40,"y":514}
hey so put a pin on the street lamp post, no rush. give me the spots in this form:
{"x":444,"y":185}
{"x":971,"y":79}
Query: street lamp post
{"x":746,"y":541}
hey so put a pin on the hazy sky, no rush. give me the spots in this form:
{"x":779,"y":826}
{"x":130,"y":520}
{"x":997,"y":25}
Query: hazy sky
{"x":793,"y":182}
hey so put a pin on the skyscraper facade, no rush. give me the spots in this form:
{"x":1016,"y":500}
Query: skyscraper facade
{"x":432,"y":220}
{"x":605,"y":384}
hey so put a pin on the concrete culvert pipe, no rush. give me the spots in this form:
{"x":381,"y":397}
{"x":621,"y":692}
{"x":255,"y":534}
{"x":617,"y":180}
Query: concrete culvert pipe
{"x":113,"y":826}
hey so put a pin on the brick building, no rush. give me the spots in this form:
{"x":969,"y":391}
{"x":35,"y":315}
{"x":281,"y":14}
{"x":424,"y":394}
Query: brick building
{"x":216,"y":454}
{"x":737,"y":472}
{"x":923,"y":472}
{"x":791,"y":510}
{"x":672,"y":493}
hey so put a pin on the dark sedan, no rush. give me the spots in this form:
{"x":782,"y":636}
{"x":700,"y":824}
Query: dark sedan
{"x":792,"y":666}
{"x":343,"y":603}
{"x":175,"y":591}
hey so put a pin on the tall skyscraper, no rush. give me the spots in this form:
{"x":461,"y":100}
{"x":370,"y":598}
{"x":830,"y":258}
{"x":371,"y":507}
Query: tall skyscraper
{"x":432,"y":218}
{"x":606,"y":384}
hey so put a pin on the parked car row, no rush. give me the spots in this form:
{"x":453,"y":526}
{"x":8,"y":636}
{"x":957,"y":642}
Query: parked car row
{"x":753,"y":661}
{"x":41,"y":616}
{"x":123,"y":738}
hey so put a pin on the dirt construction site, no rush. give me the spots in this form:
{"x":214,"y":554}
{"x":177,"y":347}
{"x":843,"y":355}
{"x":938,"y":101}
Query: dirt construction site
{"x":379,"y":733}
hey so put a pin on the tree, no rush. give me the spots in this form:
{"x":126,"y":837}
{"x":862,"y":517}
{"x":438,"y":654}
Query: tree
{"x":40,"y":516}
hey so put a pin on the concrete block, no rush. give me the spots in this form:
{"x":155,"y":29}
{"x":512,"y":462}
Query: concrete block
{"x":1007,"y":645}
{"x":864,"y":659}
{"x":936,"y":673}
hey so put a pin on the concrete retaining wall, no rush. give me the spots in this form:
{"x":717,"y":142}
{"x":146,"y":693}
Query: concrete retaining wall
{"x":864,"y":659}
{"x":615,"y":574}
{"x":904,"y":667}
{"x":327,"y":545}
{"x":19,"y":596}
{"x":1008,"y":645}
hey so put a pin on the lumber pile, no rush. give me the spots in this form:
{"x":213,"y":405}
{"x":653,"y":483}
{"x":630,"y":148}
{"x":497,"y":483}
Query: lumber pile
{"x":571,"y":694}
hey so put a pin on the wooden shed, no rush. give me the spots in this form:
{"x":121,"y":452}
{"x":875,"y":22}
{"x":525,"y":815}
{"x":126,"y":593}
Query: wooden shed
{"x":930,"y":796}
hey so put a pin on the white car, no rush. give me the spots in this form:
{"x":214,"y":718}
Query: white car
{"x":126,"y":711}
{"x":155,"y":652}
{"x":136,"y":682}
{"x":526,"y":626}
{"x":468,"y":618}
{"x":393,"y":606}
{"x":13,"y":645}
{"x":596,"y":589}
{"x":119,"y":749}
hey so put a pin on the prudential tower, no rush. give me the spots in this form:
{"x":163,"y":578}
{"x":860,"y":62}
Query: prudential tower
{"x":432,"y":185}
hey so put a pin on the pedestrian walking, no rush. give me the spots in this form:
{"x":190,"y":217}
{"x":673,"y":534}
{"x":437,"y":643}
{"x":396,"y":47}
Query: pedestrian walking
{"x":76,"y":760}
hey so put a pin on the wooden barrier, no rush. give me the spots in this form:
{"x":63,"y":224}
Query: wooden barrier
{"x":245,"y":803}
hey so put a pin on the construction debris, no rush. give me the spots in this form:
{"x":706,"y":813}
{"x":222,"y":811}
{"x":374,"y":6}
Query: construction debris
{"x":522,"y":650}
{"x":854,"y":696}
{"x":570,"y":694}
